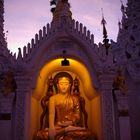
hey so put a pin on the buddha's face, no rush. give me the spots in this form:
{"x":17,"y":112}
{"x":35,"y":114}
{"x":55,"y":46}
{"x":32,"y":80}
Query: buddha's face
{"x":63,"y":85}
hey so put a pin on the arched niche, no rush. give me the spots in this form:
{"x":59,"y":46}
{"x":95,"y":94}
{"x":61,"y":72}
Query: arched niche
{"x":75,"y":48}
{"x":87,"y":89}
{"x":75,"y":66}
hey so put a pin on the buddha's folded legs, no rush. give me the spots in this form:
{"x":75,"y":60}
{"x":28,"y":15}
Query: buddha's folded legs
{"x":70,"y":135}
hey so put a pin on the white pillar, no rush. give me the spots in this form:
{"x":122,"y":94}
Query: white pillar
{"x":107,"y":108}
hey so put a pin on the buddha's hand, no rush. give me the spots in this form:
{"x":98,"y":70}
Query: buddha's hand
{"x":73,"y":128}
{"x":52,"y":134}
{"x":65,"y":123}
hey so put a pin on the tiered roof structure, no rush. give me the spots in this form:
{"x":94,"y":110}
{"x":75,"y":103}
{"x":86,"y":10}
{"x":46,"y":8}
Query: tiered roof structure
{"x":127,"y":49}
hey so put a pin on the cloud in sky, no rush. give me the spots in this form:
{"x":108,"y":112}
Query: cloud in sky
{"x":23,"y":19}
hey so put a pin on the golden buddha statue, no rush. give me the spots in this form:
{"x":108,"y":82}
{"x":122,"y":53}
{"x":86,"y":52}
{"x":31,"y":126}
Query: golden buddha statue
{"x":64,"y":113}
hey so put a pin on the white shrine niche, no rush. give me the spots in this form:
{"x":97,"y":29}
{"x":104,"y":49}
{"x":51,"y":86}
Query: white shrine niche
{"x":41,"y":58}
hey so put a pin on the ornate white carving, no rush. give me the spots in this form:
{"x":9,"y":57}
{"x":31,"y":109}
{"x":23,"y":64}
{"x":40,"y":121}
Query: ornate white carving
{"x":134,"y":70}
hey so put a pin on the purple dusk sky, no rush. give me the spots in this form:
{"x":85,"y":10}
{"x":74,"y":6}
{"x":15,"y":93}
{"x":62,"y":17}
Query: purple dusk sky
{"x":24,"y":18}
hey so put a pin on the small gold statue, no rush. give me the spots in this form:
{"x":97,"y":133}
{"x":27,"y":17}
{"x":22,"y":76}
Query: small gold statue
{"x":76,"y":92}
{"x":7,"y":83}
{"x":119,"y":83}
{"x":45,"y":102}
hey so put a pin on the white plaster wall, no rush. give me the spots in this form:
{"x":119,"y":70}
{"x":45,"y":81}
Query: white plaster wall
{"x":5,"y":130}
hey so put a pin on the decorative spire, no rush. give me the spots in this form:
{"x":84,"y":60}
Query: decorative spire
{"x":123,"y":9}
{"x":53,"y":4}
{"x":105,"y":40}
{"x":60,"y":9}
{"x":119,"y":24}
{"x":19,"y":57}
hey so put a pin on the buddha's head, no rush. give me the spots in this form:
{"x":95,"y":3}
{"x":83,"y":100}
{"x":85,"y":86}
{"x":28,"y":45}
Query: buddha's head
{"x":63,"y":82}
{"x":63,"y":85}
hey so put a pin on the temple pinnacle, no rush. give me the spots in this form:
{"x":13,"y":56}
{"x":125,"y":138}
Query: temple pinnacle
{"x":60,"y":10}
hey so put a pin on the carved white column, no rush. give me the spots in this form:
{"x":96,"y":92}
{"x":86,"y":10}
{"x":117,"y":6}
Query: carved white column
{"x":108,"y":127}
{"x":23,"y":88}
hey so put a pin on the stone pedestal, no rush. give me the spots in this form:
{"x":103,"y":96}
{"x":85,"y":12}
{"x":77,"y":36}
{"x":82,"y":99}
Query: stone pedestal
{"x":122,"y":115}
{"x":6,"y":115}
